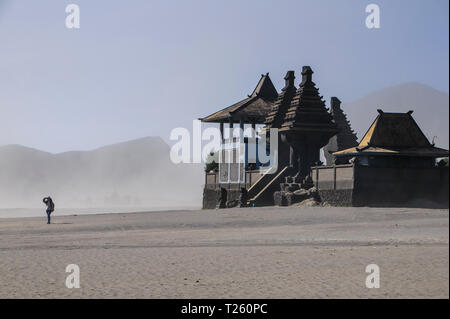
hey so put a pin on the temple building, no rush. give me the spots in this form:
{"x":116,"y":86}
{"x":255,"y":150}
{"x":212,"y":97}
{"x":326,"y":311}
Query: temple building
{"x":307,"y":126}
{"x":346,"y":138}
{"x":251,"y":110}
{"x":394,"y":140}
{"x":228,"y":184}
{"x":393,"y":164}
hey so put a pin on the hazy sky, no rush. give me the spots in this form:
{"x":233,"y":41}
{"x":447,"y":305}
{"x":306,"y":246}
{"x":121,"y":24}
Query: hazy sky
{"x":139,"y":68}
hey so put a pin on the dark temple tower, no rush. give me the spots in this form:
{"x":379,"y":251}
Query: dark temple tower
{"x":346,"y":138}
{"x":307,"y":126}
{"x":276,"y":116}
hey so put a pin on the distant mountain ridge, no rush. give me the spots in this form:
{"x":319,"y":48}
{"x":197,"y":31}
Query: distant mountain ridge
{"x":134,"y":173}
{"x":430,"y":106}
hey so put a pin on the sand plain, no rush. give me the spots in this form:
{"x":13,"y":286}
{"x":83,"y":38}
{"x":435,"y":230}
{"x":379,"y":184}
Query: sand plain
{"x":273,"y":252}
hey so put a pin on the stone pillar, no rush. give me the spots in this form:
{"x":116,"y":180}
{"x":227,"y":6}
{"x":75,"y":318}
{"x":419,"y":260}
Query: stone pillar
{"x":253,"y":140}
{"x":222,"y":137}
{"x":241,"y":132}
{"x":241,"y":146}
{"x":231,"y":129}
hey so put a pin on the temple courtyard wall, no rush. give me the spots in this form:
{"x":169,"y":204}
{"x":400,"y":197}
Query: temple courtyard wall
{"x":355,"y":185}
{"x":225,"y":196}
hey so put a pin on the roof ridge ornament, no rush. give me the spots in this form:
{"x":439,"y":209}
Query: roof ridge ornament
{"x":289,"y":80}
{"x":307,"y":73}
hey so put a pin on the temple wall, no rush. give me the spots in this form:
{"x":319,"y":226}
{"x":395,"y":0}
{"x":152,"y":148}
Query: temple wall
{"x":334,"y":183}
{"x":210,"y":179}
{"x":414,"y":187}
{"x":345,"y":185}
{"x":338,"y":197}
{"x":212,"y":195}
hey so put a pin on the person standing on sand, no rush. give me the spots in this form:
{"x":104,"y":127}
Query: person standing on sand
{"x":50,"y":207}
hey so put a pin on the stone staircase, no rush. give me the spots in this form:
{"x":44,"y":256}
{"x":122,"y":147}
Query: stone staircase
{"x":261,"y":193}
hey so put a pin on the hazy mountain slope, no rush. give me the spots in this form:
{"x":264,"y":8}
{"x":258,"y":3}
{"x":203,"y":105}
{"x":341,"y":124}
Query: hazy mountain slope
{"x":431,"y":109}
{"x":135,"y":173}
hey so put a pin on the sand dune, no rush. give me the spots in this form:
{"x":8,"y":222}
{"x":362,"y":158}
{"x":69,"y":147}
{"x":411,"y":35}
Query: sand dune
{"x":235,"y":253}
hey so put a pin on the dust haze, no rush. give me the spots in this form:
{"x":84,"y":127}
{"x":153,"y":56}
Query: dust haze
{"x":135,"y":174}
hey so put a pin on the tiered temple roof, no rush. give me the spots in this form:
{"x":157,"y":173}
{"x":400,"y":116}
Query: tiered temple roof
{"x":346,"y":138}
{"x":306,"y":111}
{"x":253,"y":109}
{"x":304,"y":123}
{"x":276,"y":116}
{"x":394,"y":134}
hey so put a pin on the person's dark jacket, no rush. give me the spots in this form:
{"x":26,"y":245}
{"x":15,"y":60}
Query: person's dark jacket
{"x":49,"y":202}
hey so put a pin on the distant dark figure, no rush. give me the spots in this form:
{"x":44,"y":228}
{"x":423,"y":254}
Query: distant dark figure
{"x":50,"y":207}
{"x":243,"y":197}
{"x":222,"y":200}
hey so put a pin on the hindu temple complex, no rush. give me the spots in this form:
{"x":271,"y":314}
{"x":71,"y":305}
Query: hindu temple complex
{"x":393,"y":164}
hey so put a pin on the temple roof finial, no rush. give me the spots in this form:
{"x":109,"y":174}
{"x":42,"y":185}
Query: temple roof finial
{"x":307,"y":73}
{"x":289,"y":80}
